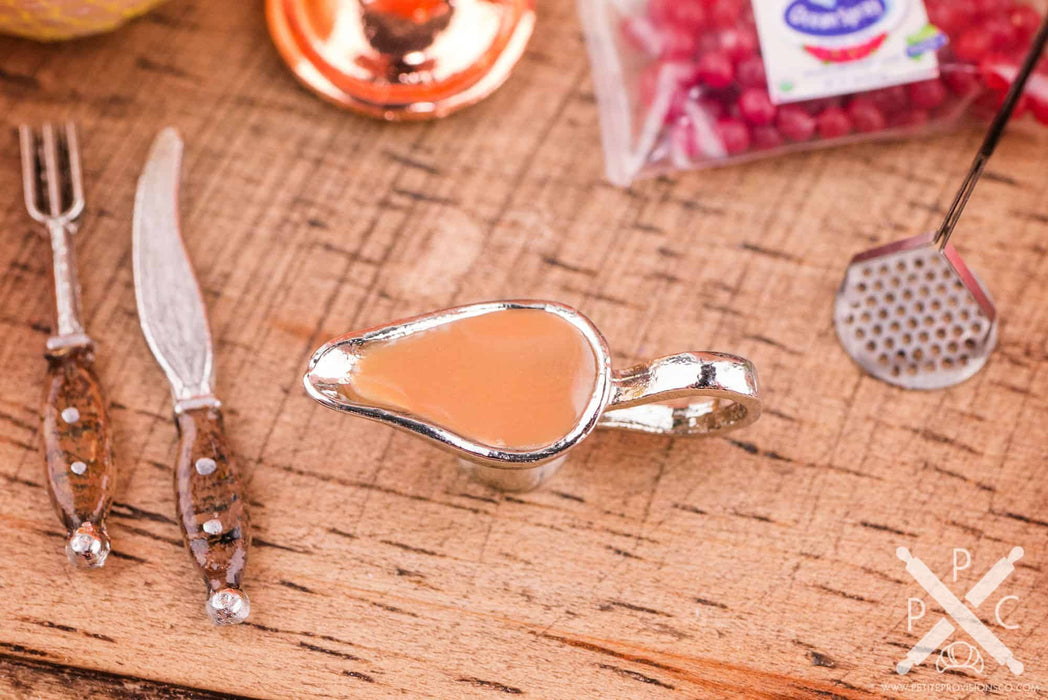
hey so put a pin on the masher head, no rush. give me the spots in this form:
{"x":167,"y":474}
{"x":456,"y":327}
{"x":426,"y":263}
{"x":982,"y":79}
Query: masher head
{"x":915,"y":316}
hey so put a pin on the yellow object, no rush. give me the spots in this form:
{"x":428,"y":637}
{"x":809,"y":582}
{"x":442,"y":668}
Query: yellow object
{"x":51,"y":20}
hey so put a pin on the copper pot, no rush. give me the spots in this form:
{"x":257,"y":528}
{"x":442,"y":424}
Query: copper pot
{"x":401,"y":59}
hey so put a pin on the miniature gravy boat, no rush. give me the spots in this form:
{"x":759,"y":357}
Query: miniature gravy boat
{"x":512,"y":386}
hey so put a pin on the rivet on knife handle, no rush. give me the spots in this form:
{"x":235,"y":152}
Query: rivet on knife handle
{"x":78,"y":455}
{"x":211,"y":510}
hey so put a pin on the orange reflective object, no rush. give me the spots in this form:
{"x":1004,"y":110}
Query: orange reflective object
{"x":401,"y":59}
{"x":516,"y":378}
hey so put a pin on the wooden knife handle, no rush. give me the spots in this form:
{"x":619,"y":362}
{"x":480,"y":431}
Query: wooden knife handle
{"x":81,"y":476}
{"x":212,"y":511}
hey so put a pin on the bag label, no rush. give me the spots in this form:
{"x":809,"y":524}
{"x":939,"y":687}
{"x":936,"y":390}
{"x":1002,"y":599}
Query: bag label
{"x":824,"y":48}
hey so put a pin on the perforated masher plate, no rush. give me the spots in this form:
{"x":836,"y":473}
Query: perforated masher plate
{"x":915,"y":316}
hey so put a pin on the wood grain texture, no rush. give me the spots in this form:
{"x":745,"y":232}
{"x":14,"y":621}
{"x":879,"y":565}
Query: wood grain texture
{"x":761,"y":564}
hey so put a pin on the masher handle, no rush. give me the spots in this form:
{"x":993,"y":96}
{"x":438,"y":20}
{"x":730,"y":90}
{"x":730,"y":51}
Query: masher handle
{"x":993,"y":136}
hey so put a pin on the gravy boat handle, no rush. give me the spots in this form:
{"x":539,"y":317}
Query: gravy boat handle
{"x":688,"y":394}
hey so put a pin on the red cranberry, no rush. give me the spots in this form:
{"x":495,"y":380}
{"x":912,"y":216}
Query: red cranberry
{"x":1002,"y":33}
{"x":910,"y":119}
{"x":715,"y":69}
{"x":709,"y":41}
{"x":680,"y":100}
{"x":927,"y":94}
{"x":1025,"y":20}
{"x":734,"y":135}
{"x":795,"y":123}
{"x":963,"y":81}
{"x":993,"y":8}
{"x":739,"y":44}
{"x":697,"y":141}
{"x":678,"y":43}
{"x":766,"y":137}
{"x":713,"y":107}
{"x":986,"y":105}
{"x":756,"y":107}
{"x":996,"y":71}
{"x":951,"y":16}
{"x":677,"y":77}
{"x":725,"y":13}
{"x":747,"y":18}
{"x":865,"y":115}
{"x":833,"y":123}
{"x":816,"y":106}
{"x":685,"y":15}
{"x":973,"y":45}
{"x":750,"y":73}
{"x":890,"y":99}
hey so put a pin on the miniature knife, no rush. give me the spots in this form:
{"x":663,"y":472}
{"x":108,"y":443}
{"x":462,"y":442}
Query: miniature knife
{"x":208,"y":489}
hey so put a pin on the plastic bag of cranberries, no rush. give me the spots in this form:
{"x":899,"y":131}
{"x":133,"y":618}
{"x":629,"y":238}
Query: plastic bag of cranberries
{"x":686,"y":84}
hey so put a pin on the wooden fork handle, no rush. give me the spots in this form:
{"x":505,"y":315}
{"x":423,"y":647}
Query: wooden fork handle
{"x":211,"y":509}
{"x":81,"y":475}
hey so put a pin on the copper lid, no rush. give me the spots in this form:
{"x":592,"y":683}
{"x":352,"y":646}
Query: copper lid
{"x":401,"y":59}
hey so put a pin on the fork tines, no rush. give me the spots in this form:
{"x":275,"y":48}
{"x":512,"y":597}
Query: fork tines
{"x":51,"y":176}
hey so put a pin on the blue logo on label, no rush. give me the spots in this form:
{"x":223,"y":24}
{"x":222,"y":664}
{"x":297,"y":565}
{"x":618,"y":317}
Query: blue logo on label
{"x":931,"y":39}
{"x":834,"y":18}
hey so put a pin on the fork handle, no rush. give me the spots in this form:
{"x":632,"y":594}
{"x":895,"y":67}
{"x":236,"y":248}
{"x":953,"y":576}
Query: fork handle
{"x":212,"y":511}
{"x":79,"y":459}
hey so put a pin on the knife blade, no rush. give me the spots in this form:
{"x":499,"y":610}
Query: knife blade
{"x":170,"y":306}
{"x":208,"y":489}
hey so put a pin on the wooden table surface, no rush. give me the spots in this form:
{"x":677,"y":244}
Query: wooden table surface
{"x":648,"y":567}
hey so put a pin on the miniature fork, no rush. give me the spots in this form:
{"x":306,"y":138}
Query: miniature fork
{"x":76,"y":431}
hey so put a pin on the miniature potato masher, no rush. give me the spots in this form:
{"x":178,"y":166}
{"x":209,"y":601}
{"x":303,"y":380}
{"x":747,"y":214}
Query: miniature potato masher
{"x":911,"y":312}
